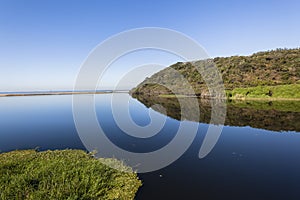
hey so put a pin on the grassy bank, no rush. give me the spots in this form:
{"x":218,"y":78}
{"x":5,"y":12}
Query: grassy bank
{"x":289,"y":92}
{"x":64,"y":174}
{"x":278,"y":92}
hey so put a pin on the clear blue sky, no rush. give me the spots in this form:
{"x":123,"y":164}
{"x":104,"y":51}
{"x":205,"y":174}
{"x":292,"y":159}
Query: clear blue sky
{"x":43,"y":43}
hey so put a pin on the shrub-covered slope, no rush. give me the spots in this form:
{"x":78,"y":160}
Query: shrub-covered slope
{"x":271,"y":68}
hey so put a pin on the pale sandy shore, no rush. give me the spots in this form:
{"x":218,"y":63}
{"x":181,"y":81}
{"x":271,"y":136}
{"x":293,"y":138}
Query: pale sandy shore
{"x":58,"y":93}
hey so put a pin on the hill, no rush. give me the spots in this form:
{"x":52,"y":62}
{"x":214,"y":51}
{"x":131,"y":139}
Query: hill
{"x":259,"y":71}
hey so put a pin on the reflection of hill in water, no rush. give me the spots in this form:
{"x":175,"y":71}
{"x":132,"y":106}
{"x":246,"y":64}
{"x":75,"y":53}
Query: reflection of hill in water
{"x":275,"y":116}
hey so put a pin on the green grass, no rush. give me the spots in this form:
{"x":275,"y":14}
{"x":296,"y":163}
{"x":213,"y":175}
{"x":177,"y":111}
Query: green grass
{"x":291,"y":91}
{"x":63,"y":174}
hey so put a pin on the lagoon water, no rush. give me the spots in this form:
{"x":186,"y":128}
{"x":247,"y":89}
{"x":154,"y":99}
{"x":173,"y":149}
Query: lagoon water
{"x":256,"y":157}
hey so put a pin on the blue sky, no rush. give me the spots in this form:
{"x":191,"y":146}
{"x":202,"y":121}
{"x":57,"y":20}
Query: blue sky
{"x":44,"y":43}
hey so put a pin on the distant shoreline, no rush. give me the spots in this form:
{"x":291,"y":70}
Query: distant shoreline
{"x":16,"y":94}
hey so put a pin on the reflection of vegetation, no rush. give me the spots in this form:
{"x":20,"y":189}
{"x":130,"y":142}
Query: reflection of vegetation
{"x":277,"y":115}
{"x":67,"y":174}
{"x":272,"y":68}
{"x":285,"y":106}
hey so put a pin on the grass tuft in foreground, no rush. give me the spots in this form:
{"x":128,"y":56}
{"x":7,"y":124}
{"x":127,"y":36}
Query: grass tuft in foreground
{"x":63,"y":174}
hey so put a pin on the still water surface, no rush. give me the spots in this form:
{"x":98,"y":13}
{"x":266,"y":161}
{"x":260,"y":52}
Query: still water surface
{"x":256,"y":157}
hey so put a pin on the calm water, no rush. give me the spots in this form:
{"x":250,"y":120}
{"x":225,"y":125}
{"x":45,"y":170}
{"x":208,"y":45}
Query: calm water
{"x":256,"y":157}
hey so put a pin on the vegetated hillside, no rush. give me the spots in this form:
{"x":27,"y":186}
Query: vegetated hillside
{"x":270,"y":68}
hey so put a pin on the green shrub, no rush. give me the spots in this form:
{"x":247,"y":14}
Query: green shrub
{"x":64,"y":174}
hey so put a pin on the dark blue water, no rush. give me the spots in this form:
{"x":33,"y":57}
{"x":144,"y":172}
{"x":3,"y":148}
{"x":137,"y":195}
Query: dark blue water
{"x":246,"y":163}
